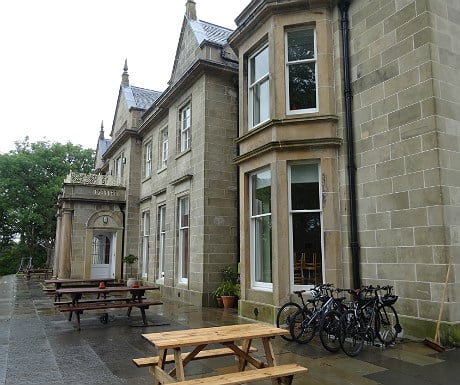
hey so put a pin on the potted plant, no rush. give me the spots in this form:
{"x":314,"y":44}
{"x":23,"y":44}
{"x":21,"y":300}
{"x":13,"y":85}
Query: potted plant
{"x":229,"y":288}
{"x":129,"y":260}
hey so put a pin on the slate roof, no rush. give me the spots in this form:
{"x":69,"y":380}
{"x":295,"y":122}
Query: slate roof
{"x":103,"y":144}
{"x":211,"y":33}
{"x":141,"y":98}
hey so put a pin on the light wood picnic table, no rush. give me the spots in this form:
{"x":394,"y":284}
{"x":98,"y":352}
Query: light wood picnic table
{"x":222,"y":335}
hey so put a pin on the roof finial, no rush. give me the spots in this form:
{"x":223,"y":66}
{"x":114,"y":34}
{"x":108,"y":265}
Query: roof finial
{"x":101,"y":133}
{"x":125,"y":76}
{"x":190,"y":9}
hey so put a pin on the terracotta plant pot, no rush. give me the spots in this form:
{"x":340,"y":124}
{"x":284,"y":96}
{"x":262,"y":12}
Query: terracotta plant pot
{"x":228,"y":301}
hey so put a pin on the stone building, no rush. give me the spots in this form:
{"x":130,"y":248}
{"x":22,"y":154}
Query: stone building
{"x":348,"y":158}
{"x":166,"y":186}
{"x":325,"y":150}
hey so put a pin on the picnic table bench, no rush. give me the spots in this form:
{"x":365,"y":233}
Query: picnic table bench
{"x":78,"y":306}
{"x":223,"y":335}
{"x":59,"y":283}
{"x":39,"y":272}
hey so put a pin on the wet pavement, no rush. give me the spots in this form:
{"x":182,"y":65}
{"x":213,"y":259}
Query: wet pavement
{"x":38,"y":345}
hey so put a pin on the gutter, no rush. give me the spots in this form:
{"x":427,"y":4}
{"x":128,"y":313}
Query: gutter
{"x":354,"y":238}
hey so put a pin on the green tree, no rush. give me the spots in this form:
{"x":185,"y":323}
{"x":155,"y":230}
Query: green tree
{"x":31,"y":177}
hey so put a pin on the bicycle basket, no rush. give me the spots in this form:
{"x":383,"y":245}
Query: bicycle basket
{"x":389,"y":299}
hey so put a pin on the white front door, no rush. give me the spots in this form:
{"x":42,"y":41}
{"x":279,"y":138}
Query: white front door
{"x":103,"y":256}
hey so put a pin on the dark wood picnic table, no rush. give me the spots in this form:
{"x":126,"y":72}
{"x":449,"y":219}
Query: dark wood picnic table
{"x":59,"y":283}
{"x":77,"y":305}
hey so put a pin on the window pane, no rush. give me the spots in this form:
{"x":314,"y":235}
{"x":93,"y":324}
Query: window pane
{"x":164,"y":148}
{"x":161,"y":240}
{"x":184,"y":238}
{"x":301,"y":45}
{"x":302,"y":86}
{"x":264,"y":101}
{"x":184,"y":252}
{"x":145,"y":244}
{"x":148,"y":160}
{"x":306,"y":237}
{"x":259,"y":65}
{"x":261,"y":192}
{"x":185,"y":129}
{"x":305,"y":187}
{"x":263,"y":249}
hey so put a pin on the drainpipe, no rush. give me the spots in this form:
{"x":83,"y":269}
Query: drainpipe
{"x":354,"y":239}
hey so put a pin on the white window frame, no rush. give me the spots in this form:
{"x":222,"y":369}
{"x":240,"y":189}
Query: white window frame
{"x":119,"y":166}
{"x":291,"y":212}
{"x":297,"y":62}
{"x":161,"y":228}
{"x":163,"y":140}
{"x":254,"y":90}
{"x":148,"y":160}
{"x":145,"y":243}
{"x":185,"y":121}
{"x":267,"y":286}
{"x":183,"y":239}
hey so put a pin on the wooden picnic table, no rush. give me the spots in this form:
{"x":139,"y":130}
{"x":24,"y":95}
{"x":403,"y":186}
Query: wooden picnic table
{"x":61,"y":282}
{"x":77,"y":305}
{"x":227,"y":336}
{"x":72,"y":282}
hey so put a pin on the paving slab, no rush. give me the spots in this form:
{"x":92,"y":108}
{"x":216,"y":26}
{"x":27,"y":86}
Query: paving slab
{"x":38,"y":345}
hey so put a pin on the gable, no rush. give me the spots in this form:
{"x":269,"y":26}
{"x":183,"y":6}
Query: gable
{"x":131,"y":103}
{"x":198,"y":40}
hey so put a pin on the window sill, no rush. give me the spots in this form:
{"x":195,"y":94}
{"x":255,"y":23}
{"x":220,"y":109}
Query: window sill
{"x":183,"y":153}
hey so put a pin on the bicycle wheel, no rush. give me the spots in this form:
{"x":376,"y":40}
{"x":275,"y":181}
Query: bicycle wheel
{"x":387,"y":325}
{"x":284,"y":316}
{"x":303,"y":326}
{"x":329,"y":331}
{"x":351,"y":339}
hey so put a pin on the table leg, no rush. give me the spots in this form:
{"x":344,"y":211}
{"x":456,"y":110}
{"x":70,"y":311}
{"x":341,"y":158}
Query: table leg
{"x":271,"y":361}
{"x":268,"y":348}
{"x":180,"y":373}
{"x":242,"y":362}
{"x":161,"y":364}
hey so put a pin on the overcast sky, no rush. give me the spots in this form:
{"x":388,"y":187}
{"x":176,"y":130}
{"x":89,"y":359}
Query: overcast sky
{"x":61,"y":60}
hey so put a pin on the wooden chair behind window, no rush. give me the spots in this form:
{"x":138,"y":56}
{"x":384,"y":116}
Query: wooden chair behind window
{"x":312,"y":268}
{"x":298,"y":270}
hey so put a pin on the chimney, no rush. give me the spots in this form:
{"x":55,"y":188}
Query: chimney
{"x":190,"y":9}
{"x":125,"y":76}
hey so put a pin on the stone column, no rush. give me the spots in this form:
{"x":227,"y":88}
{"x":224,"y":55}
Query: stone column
{"x":66,"y":242}
{"x":57,"y":245}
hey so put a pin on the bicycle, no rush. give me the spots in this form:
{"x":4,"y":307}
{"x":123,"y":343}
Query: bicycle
{"x":305,"y":323}
{"x":286,"y":311}
{"x":330,"y":328}
{"x":389,"y":326}
{"x":368,"y":317}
